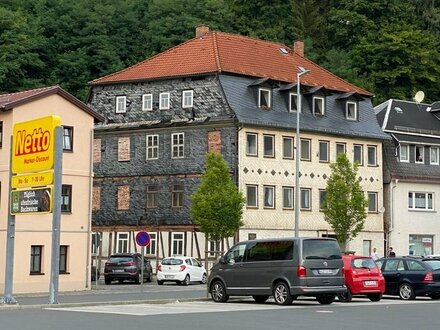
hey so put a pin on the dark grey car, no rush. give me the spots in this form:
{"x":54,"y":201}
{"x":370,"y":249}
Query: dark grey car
{"x":127,"y":266}
{"x":284,"y":268}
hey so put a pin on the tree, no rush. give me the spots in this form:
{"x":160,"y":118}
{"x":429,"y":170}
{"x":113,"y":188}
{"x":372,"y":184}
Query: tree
{"x":345,"y":203}
{"x":217,"y":205}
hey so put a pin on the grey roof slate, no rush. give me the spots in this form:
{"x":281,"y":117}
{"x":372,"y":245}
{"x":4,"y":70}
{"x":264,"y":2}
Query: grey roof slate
{"x":243,"y":101}
{"x":416,"y":139}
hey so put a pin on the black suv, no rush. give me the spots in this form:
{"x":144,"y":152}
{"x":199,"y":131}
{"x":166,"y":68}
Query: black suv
{"x":409,"y":277}
{"x":127,"y":266}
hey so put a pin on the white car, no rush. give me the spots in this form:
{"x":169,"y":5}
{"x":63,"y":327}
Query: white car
{"x":181,"y":270}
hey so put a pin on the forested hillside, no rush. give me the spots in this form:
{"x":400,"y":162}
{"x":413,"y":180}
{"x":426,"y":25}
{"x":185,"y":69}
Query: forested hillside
{"x":389,"y":47}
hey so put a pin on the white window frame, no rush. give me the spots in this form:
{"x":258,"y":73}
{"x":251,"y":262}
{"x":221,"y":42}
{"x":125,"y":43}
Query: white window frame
{"x":164,"y":101}
{"x":375,"y":196}
{"x":252,"y":188}
{"x":406,"y":147}
{"x":369,"y":163}
{"x":152,"y":196}
{"x":361,"y":163}
{"x":322,"y":101}
{"x":291,"y":149}
{"x":288,"y":204}
{"x":147,"y":102}
{"x":412,"y":201}
{"x":308,"y":201}
{"x":177,"y":244}
{"x":178,"y":146}
{"x":269,"y":197}
{"x":187,"y":98}
{"x":261,"y":92}
{"x":327,"y":159}
{"x":122,"y":243}
{"x":340,"y":144}
{"x":431,"y":160}
{"x":121,"y":104}
{"x":347,"y":112}
{"x":321,"y":191}
{"x":422,"y":148}
{"x":248,"y":153}
{"x":309,"y":149}
{"x":295,"y":97}
{"x":151,"y":248}
{"x":152,"y":142}
{"x":267,"y":137}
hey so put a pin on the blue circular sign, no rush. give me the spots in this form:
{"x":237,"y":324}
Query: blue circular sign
{"x":143,"y":238}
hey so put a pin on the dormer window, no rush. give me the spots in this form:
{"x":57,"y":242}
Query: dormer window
{"x":121,"y":102}
{"x":264,"y":100}
{"x":164,"y":101}
{"x":293,"y":102}
{"x":351,"y":111}
{"x":187,"y":99}
{"x":318,"y":106}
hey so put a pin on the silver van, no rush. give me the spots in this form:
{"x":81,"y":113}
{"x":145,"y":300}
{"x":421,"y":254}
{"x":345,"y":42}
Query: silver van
{"x":284,"y":268}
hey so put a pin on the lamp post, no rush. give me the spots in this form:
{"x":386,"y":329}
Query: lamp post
{"x":301,"y":71}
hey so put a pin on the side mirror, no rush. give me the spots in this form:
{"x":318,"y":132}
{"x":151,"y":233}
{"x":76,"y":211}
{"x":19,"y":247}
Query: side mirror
{"x":222,"y":260}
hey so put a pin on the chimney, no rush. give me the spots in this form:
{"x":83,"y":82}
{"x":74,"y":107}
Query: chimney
{"x":201,"y":30}
{"x":298,"y":47}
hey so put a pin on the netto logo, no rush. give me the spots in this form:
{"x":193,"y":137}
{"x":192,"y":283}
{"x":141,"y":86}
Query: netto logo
{"x":36,"y":142}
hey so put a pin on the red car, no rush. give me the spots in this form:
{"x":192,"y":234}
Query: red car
{"x":362,"y":277}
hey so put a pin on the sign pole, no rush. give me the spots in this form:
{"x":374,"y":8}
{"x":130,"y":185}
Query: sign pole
{"x":56,"y":216}
{"x":10,"y":245}
{"x":142,"y":269}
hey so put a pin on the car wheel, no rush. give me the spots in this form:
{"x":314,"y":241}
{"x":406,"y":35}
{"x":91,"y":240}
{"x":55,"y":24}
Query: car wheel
{"x":159,"y":282}
{"x":326,"y":299}
{"x":186,"y":281}
{"x":346,"y":296}
{"x":375,"y":296}
{"x":107,"y":281}
{"x":218,"y":292}
{"x":260,"y":299}
{"x":434,"y":296}
{"x":406,"y":292}
{"x":281,"y":294}
{"x":203,"y":281}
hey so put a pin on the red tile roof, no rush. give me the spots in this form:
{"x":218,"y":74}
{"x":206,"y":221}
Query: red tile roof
{"x":229,"y":53}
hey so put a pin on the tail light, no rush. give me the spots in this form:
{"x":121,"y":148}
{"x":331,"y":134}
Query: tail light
{"x":301,"y":271}
{"x":159,"y":268}
{"x":182,"y":268}
{"x":428,"y":277}
{"x":131,"y":263}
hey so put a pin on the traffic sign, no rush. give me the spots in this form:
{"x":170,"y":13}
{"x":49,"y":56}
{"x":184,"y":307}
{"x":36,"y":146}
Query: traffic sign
{"x":143,"y":238}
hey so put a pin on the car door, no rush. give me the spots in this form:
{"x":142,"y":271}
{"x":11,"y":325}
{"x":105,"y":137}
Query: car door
{"x":190,"y":268}
{"x":232,"y":270}
{"x":198,"y":271}
{"x":392,"y":271}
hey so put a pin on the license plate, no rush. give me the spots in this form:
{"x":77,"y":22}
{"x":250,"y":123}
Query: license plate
{"x":325,"y":271}
{"x":370,"y":283}
{"x":169,"y":276}
{"x":118,"y":270}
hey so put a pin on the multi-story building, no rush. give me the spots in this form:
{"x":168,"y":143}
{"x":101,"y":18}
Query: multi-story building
{"x":237,"y":95}
{"x":411,"y":176}
{"x":33,"y":232}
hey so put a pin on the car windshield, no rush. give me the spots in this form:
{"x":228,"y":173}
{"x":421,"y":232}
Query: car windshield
{"x":363,"y":263}
{"x":120,"y":259}
{"x":321,"y":249}
{"x":172,"y":261}
{"x":435,"y":264}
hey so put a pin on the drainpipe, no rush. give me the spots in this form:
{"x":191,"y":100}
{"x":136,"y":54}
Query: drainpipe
{"x":393,"y":186}
{"x":89,"y":215}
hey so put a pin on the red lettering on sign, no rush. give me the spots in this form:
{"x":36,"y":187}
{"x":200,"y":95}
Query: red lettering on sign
{"x":26,"y":144}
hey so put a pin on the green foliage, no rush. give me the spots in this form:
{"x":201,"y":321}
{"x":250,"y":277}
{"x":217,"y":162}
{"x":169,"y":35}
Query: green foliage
{"x":345,"y":203}
{"x":217,"y":205}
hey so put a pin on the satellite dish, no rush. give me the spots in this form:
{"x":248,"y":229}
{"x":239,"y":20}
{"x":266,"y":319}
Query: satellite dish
{"x":419,"y":97}
{"x":381,"y":209}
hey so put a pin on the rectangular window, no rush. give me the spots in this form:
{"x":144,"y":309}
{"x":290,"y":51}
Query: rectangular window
{"x":323,"y":151}
{"x":421,"y":245}
{"x":420,"y":201}
{"x":121,"y":103}
{"x":305,"y":149}
{"x":305,"y":199}
{"x":122,"y":242}
{"x":177,"y":195}
{"x":433,"y":159}
{"x":164,"y":101}
{"x":318,"y":106}
{"x":264,"y":98}
{"x":177,"y":244}
{"x":269,"y":197}
{"x":147,"y":102}
{"x":36,"y":257}
{"x":269,"y":145}
{"x":340,"y":149}
{"x":287,"y":147}
{"x":152,"y":146}
{"x":1,"y":133}
{"x":187,"y":99}
{"x":123,"y":149}
{"x":293,"y":102}
{"x":152,"y":196}
{"x":66,"y":198}
{"x":251,"y":196}
{"x":404,"y":153}
{"x":322,"y":196}
{"x":358,"y":152}
{"x":372,"y":159}
{"x":151,"y":248}
{"x":251,"y":144}
{"x":63,"y":259}
{"x":211,"y":248}
{"x":288,"y":198}
{"x":420,"y":154}
{"x":372,"y":201}
{"x":177,"y":145}
{"x":351,"y":112}
{"x":67,"y":138}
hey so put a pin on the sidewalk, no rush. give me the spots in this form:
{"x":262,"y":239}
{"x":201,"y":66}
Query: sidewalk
{"x":113,"y":295}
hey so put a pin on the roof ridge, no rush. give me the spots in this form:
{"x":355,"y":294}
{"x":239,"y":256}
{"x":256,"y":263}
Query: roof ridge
{"x":251,"y":38}
{"x":216,"y":53}
{"x":31,"y":90}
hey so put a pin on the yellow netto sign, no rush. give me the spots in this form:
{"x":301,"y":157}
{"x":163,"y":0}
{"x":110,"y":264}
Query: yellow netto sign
{"x":32,"y":180}
{"x":34,"y":144}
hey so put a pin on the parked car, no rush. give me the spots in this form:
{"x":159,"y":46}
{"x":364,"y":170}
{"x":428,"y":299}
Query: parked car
{"x":127,"y":266}
{"x":409,"y":277}
{"x":284,"y":268}
{"x":362,"y":277}
{"x":182,"y":270}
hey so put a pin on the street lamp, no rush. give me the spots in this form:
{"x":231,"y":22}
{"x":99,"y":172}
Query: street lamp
{"x":301,"y":71}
